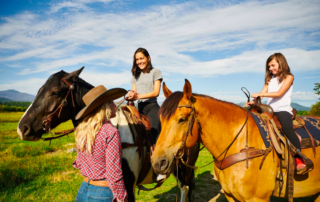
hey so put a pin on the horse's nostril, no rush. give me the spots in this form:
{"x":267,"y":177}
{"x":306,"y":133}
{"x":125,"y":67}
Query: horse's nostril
{"x":163,"y":164}
{"x":25,"y":130}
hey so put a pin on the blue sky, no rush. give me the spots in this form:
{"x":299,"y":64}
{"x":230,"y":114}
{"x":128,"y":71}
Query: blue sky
{"x":219,"y":46}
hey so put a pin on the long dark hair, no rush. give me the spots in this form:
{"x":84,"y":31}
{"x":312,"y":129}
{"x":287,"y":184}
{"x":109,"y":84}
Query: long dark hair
{"x":284,"y":68}
{"x":135,"y":69}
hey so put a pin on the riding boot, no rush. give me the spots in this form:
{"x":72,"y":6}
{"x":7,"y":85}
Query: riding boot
{"x":300,"y":165}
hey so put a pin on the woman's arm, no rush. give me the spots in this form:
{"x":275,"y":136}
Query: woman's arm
{"x":133,"y":92}
{"x":154,"y":93}
{"x":264,"y":90}
{"x":286,"y":85}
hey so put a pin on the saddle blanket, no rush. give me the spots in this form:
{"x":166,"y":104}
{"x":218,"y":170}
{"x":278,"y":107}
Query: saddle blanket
{"x":312,"y":124}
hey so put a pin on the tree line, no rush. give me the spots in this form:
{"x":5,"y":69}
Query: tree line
{"x":14,"y":106}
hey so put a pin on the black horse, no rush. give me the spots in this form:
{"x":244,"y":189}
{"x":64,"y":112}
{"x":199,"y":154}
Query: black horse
{"x":59,"y":100}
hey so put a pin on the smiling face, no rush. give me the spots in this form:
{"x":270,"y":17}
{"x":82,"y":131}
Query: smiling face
{"x":274,"y":67}
{"x":142,"y":61}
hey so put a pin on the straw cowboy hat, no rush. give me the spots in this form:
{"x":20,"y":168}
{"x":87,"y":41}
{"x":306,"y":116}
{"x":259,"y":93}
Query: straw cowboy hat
{"x":97,"y":96}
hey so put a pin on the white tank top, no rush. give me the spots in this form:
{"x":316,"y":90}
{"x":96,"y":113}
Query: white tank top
{"x":282,"y":103}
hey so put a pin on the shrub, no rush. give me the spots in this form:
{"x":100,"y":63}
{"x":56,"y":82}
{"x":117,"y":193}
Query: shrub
{"x":315,"y":109}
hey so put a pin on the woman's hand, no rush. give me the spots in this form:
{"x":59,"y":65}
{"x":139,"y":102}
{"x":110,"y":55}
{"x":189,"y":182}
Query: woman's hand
{"x":255,"y":95}
{"x":132,"y":94}
{"x":248,"y":104}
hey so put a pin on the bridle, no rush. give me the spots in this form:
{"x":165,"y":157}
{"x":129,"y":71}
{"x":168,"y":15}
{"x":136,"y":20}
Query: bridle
{"x":47,"y":120}
{"x":180,"y":152}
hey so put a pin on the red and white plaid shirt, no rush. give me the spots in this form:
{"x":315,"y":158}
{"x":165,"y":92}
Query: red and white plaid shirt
{"x":105,"y":160}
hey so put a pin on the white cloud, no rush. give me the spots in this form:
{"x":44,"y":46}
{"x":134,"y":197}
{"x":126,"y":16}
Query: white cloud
{"x":75,"y":4}
{"x":250,"y":61}
{"x":167,"y":32}
{"x":30,"y":86}
{"x":109,"y":80}
{"x":304,"y":96}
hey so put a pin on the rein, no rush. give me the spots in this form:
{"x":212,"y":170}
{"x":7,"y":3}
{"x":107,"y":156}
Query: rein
{"x":48,"y":119}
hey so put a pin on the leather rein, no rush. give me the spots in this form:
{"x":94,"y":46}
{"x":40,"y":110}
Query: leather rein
{"x":48,"y":119}
{"x":180,"y":152}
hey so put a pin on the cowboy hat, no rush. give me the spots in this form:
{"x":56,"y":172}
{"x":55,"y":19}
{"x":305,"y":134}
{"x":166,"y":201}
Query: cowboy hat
{"x":97,"y":96}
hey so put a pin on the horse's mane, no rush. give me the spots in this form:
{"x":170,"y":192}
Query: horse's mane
{"x":170,"y":104}
{"x":81,"y":86}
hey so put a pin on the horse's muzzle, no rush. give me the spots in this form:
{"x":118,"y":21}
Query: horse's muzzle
{"x":161,"y":166}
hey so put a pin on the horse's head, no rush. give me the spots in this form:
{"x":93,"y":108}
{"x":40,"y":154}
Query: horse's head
{"x":177,"y":118}
{"x":43,"y":113}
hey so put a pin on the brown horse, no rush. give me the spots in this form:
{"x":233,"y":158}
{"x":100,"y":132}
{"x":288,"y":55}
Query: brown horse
{"x":219,"y":123}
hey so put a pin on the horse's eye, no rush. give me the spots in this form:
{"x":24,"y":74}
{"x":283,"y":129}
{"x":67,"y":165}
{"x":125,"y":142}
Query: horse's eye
{"x":182,"y":120}
{"x":55,"y":93}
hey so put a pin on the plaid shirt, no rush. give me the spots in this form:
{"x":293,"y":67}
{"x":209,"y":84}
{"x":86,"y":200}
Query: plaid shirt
{"x":105,"y":160}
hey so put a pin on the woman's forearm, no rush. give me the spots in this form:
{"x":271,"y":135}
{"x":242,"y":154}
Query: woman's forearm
{"x":147,"y":95}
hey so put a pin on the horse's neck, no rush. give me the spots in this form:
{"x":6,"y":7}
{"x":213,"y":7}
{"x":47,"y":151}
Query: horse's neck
{"x":220,"y":122}
{"x":121,"y":123}
{"x":81,"y":87}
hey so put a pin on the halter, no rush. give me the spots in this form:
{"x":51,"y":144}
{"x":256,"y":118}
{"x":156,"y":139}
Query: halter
{"x":180,"y":152}
{"x":48,"y":119}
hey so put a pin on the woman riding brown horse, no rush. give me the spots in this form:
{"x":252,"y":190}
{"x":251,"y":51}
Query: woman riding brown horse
{"x":186,"y":118}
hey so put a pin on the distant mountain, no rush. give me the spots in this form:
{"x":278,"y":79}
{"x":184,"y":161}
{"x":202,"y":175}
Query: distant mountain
{"x":3,"y":99}
{"x":14,"y":95}
{"x":293,"y":105}
{"x":300,"y":107}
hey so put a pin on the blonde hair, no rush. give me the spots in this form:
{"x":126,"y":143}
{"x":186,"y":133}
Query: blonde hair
{"x":86,"y":131}
{"x":284,"y":68}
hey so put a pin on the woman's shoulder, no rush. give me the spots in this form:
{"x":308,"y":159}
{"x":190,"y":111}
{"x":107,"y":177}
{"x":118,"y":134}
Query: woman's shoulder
{"x":155,"y":70}
{"x":108,"y":128}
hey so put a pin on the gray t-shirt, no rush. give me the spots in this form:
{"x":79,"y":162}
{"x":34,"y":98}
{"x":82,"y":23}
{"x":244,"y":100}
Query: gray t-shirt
{"x":145,"y":83}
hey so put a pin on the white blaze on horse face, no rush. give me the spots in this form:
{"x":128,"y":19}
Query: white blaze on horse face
{"x":18,"y":129}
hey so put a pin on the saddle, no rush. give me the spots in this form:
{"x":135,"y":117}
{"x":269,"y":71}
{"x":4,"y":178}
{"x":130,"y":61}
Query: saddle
{"x":274,"y":128}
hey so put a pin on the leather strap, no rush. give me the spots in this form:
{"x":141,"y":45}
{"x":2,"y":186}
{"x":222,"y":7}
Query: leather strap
{"x":100,"y":183}
{"x":241,"y":156}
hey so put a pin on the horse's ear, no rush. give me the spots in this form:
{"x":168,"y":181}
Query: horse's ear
{"x":74,"y":75}
{"x":187,"y":89}
{"x":166,"y":91}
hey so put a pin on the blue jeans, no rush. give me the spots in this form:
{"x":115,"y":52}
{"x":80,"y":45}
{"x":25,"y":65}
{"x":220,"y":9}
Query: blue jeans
{"x":88,"y":192}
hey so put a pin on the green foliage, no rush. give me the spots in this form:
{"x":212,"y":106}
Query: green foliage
{"x":302,"y":113}
{"x":315,"y":109}
{"x":14,"y":106}
{"x":16,"y":103}
{"x":317,"y":89}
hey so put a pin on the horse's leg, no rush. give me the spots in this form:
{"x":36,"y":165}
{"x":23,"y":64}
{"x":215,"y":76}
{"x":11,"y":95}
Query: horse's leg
{"x":130,"y":169}
{"x":316,"y":197}
{"x":183,"y":189}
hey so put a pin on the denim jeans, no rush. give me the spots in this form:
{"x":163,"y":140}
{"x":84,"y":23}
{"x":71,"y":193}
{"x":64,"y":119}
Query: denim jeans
{"x":88,"y":192}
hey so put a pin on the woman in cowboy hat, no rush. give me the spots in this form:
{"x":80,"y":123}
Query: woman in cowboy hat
{"x":99,"y":150}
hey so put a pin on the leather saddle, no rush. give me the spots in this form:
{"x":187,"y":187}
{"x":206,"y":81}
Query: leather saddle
{"x":267,"y":111}
{"x":260,"y":108}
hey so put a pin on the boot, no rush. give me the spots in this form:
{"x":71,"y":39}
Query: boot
{"x":300,"y":165}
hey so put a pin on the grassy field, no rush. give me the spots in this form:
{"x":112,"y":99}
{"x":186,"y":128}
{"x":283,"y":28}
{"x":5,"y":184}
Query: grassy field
{"x":37,"y":171}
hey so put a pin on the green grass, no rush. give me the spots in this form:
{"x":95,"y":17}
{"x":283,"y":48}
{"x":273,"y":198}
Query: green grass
{"x":37,"y":171}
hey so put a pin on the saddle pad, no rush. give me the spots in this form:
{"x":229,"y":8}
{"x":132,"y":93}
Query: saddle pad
{"x":312,"y":124}
{"x":263,"y":130}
